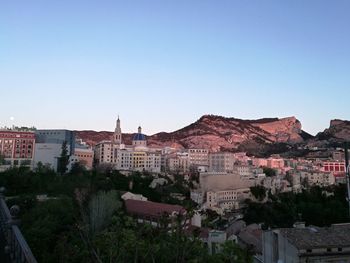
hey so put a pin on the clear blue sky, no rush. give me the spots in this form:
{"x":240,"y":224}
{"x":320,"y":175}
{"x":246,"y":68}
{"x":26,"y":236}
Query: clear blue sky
{"x":162,"y":64}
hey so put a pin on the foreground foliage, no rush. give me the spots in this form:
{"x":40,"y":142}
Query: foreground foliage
{"x":317,"y":206}
{"x":81,"y":219}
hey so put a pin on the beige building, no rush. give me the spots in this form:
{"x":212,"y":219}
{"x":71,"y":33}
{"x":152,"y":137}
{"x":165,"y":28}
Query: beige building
{"x":198,"y":157}
{"x":227,"y":199}
{"x":224,"y":191}
{"x":221,"y":162}
{"x":275,"y":163}
{"x":85,"y":157}
{"x":178,"y":163}
{"x":104,"y":152}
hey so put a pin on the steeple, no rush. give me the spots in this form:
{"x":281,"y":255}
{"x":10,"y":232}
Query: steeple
{"x":117,"y":136}
{"x":139,"y":129}
{"x":118,"y":124}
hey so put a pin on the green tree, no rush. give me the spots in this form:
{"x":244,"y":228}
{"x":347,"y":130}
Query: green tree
{"x":101,"y":208}
{"x":63,"y":159}
{"x":232,"y":253}
{"x":259,"y":192}
{"x":44,"y":223}
{"x":2,"y":159}
{"x":269,"y":171}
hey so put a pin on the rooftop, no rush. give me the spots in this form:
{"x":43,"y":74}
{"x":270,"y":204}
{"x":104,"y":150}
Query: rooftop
{"x":148,"y":208}
{"x":315,"y":237}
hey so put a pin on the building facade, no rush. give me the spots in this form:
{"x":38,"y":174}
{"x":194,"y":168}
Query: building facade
{"x":135,"y":157}
{"x":221,"y":162}
{"x":17,"y":148}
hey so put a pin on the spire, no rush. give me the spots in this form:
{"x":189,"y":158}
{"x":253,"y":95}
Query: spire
{"x":139,"y":129}
{"x":117,"y":137}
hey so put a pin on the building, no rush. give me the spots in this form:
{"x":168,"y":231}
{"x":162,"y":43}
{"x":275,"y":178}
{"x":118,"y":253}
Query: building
{"x":275,"y":163}
{"x":198,"y":157}
{"x":338,"y":156}
{"x":307,"y":244}
{"x":320,"y":178}
{"x":104,"y":152}
{"x":224,"y":191}
{"x":178,"y":162}
{"x":131,"y":196}
{"x":244,"y":171}
{"x":57,"y":137}
{"x":135,"y":157}
{"x":153,"y":213}
{"x":334,"y":167}
{"x":47,"y":154}
{"x":48,"y":147}
{"x":85,"y":157}
{"x":17,"y":147}
{"x":229,"y":199}
{"x":221,"y":162}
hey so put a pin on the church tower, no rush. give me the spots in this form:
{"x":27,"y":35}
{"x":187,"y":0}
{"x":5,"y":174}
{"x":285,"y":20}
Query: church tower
{"x":117,"y":136}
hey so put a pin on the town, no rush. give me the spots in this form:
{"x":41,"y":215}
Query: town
{"x":224,"y":196}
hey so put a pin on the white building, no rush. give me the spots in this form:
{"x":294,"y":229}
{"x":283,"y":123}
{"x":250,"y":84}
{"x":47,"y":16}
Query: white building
{"x":135,"y":157}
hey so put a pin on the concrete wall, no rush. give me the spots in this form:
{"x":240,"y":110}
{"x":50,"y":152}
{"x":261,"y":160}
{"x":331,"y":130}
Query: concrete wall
{"x":47,"y":153}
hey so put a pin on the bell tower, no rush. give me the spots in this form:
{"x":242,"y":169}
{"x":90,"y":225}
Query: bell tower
{"x":117,"y":136}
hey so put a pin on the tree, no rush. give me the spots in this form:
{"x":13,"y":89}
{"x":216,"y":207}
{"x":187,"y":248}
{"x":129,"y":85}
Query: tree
{"x":2,"y":159}
{"x":63,"y":159}
{"x":269,"y":171}
{"x":101,"y":208}
{"x":232,"y":253}
{"x":259,"y":192}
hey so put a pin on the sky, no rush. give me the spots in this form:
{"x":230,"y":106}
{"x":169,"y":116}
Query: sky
{"x":163,"y":64}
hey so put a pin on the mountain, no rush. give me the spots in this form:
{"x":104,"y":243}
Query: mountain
{"x":220,"y":133}
{"x":338,"y":130}
{"x":332,"y":137}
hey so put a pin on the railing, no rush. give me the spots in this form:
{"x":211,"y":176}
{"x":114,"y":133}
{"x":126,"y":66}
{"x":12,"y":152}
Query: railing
{"x":16,"y":249}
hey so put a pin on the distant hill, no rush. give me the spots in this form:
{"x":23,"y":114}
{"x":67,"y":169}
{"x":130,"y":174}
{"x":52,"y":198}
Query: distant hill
{"x":219,"y":133}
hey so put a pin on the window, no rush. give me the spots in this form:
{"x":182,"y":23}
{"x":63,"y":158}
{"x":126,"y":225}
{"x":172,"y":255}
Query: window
{"x":340,"y":249}
{"x":329,"y":250}
{"x":309,"y":251}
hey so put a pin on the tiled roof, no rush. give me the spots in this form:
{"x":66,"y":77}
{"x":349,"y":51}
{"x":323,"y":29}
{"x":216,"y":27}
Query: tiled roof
{"x":148,"y":208}
{"x":315,"y":237}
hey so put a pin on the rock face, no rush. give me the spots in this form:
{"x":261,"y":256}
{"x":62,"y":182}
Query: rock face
{"x":338,"y":130}
{"x":219,"y":133}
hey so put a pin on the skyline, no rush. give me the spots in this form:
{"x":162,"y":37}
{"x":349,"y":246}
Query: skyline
{"x":163,"y":65}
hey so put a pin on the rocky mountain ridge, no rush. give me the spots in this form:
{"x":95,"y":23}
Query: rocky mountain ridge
{"x":219,"y":133}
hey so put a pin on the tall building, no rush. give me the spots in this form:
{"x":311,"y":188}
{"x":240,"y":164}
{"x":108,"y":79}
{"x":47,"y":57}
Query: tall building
{"x":117,"y":136}
{"x":17,"y":147}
